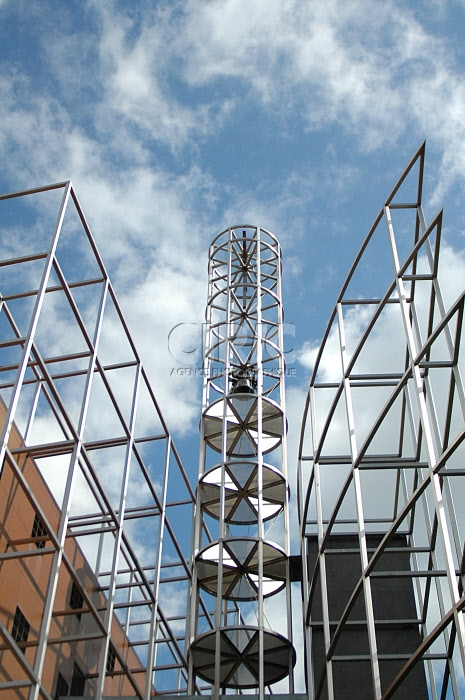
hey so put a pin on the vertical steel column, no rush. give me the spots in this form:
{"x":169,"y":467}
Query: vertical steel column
{"x":242,"y":419}
{"x":431,"y":448}
{"x":366,"y":583}
{"x":154,"y":623}
{"x":8,"y":422}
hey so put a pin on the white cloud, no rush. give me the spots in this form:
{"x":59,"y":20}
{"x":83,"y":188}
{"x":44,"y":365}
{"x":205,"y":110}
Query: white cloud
{"x":374,"y":69}
{"x":318,"y":57}
{"x":340,"y":63}
{"x":133,"y":73}
{"x":371,"y":70}
{"x":165,"y":299}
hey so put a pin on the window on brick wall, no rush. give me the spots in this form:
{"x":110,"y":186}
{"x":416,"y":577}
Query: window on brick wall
{"x":111,"y":659}
{"x":21,"y":627}
{"x":38,"y":530}
{"x":62,"y":688}
{"x":78,"y":682}
{"x":76,"y":601}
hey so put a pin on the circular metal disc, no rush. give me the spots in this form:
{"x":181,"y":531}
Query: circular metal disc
{"x":238,"y":415}
{"x":241,"y":492}
{"x":240,"y":652}
{"x":240,"y":557}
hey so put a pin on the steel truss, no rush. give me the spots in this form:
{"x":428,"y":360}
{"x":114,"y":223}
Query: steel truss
{"x":84,"y":450}
{"x":381,"y":470}
{"x":240,"y":496}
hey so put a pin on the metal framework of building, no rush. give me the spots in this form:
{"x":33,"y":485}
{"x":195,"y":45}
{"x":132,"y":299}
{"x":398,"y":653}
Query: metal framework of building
{"x":381,"y":470}
{"x":85,"y":450}
{"x":73,"y":388}
{"x":239,"y":496}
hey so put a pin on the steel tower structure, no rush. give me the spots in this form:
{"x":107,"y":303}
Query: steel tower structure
{"x":382,"y":475}
{"x":239,"y":495}
{"x":94,"y":553}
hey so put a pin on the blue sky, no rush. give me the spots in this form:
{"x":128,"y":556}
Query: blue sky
{"x":177,"y":119}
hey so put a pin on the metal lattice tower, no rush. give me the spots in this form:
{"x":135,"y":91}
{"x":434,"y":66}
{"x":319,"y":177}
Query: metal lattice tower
{"x":93,"y":495}
{"x":236,"y":568}
{"x":382,"y":470}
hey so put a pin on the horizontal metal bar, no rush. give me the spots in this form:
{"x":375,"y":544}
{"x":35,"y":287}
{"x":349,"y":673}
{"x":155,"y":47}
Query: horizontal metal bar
{"x":411,"y":622}
{"x":356,"y":302}
{"x":23,"y":553}
{"x":387,"y":657}
{"x":414,"y":278}
{"x":411,"y":573}
{"x":23,"y":259}
{"x":46,"y":449}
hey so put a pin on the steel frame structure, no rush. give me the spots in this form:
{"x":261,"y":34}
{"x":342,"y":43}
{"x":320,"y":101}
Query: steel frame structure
{"x":240,"y":496}
{"x":73,"y":387}
{"x":381,"y":469}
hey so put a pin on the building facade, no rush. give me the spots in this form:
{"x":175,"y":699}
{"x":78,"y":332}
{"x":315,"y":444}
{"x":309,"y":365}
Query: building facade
{"x":71,"y":661}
